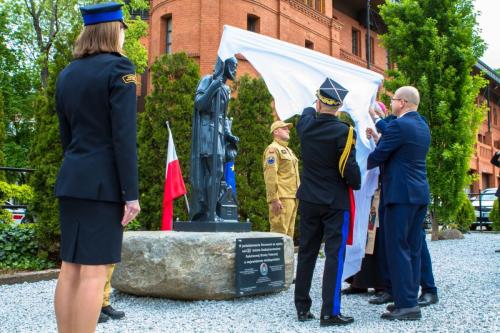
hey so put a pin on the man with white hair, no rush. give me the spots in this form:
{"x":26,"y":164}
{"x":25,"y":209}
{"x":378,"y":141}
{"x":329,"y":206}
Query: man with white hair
{"x":402,"y":151}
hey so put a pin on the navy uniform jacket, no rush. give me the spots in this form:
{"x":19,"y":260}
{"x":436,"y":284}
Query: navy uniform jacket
{"x":402,"y":151}
{"x":322,"y":141}
{"x":96,"y":105}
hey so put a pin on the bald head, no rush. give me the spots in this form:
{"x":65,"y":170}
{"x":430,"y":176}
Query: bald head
{"x":409,"y":94}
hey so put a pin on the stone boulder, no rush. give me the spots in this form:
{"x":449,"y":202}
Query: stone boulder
{"x":185,"y":265}
{"x":450,"y":234}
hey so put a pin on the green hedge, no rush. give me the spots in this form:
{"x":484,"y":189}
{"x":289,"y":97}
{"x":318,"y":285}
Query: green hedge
{"x":19,"y":248}
{"x":175,"y":77}
{"x":465,"y":215}
{"x":494,"y":216}
{"x":252,"y":114}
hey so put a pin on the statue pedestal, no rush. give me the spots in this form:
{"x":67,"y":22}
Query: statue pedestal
{"x":186,"y":265}
{"x":207,"y":226}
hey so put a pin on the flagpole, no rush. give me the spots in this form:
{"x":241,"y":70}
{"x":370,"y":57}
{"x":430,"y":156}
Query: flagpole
{"x":185,"y":196}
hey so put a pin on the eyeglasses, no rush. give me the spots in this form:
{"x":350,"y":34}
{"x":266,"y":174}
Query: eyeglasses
{"x":399,"y":99}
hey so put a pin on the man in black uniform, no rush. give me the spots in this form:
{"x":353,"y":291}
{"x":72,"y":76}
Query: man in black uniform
{"x":329,"y":169}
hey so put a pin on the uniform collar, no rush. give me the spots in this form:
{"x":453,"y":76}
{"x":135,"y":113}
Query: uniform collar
{"x":281,"y":142}
{"x":326,"y":115}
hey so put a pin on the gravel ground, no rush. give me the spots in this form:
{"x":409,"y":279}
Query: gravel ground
{"x":467,"y":274}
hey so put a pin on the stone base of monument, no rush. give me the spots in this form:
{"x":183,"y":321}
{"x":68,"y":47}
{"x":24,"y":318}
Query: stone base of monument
{"x":206,"y":226}
{"x":186,"y":265}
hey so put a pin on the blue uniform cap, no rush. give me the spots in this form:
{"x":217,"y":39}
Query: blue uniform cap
{"x":102,"y":12}
{"x":331,"y":93}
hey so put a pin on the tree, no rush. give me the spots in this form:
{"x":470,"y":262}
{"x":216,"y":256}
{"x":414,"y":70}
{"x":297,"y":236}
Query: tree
{"x":252,"y":114}
{"x":46,"y":155}
{"x":435,"y":45}
{"x":16,"y":86}
{"x":2,"y":136}
{"x":175,"y":77}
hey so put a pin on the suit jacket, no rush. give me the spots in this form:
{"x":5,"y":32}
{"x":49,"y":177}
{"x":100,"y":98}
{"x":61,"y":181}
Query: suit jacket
{"x":402,"y":151}
{"x":322,"y":140}
{"x":96,"y":106}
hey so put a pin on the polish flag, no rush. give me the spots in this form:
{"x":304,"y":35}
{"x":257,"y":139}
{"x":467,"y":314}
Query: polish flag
{"x":174,"y":184}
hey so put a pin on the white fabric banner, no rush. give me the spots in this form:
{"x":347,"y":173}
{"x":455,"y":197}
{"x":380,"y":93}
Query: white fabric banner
{"x":292,"y":75}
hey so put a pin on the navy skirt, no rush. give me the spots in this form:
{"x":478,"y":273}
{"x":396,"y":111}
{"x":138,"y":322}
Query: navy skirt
{"x":91,"y":232}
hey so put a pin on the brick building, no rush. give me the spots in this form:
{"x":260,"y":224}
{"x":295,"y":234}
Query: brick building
{"x":333,"y":27}
{"x":488,"y":137}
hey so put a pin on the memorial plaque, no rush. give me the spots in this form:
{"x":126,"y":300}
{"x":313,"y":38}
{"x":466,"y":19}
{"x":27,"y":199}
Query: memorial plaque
{"x":260,"y":265}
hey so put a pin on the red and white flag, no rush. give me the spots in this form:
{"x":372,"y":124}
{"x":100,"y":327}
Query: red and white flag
{"x":174,"y":184}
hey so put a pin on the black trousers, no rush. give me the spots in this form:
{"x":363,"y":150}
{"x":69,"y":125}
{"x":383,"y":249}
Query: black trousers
{"x":316,"y":222}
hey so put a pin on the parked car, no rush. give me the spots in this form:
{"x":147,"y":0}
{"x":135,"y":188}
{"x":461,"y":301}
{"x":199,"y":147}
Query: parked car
{"x":18,"y":214}
{"x":483,"y":204}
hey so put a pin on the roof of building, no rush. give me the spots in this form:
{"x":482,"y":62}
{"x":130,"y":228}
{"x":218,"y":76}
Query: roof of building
{"x":488,"y":71}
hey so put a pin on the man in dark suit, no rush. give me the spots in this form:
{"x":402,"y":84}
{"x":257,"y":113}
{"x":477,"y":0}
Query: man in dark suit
{"x":402,"y":151}
{"x":329,"y":169}
{"x":429,"y":293}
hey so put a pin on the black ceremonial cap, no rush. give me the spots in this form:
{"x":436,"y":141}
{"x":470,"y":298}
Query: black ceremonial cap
{"x":331,"y":93}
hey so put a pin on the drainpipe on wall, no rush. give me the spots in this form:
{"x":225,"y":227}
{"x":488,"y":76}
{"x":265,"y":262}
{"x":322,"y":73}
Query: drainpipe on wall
{"x":368,"y":46}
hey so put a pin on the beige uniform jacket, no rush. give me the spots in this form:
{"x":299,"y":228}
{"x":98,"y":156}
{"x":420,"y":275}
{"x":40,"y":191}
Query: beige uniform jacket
{"x":281,"y":171}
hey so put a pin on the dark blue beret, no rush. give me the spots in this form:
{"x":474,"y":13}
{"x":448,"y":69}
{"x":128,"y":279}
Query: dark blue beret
{"x":102,"y":12}
{"x":331,"y":93}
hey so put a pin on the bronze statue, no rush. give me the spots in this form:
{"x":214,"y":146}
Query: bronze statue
{"x":208,"y":147}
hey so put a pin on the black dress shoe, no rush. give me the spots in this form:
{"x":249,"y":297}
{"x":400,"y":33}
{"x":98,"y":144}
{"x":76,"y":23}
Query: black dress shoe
{"x":403,"y":314}
{"x":427,"y":299}
{"x":305,"y":316}
{"x":335,"y":320}
{"x":102,"y":318}
{"x":112,"y":313}
{"x":352,"y":290}
{"x":390,"y":307}
{"x":383,"y":298}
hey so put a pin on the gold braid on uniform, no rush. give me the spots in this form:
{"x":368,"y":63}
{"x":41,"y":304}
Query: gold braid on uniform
{"x":347,"y":151}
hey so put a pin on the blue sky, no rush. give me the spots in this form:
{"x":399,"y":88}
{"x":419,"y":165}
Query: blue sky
{"x":488,"y":20}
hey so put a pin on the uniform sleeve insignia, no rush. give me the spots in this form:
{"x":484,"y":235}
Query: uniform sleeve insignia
{"x":270,"y":160}
{"x":129,"y":78}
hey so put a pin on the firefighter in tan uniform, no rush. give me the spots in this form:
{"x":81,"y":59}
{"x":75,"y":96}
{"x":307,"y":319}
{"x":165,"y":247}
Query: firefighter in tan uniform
{"x":281,"y":175}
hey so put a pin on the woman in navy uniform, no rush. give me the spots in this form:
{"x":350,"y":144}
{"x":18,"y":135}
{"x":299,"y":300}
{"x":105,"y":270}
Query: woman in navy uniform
{"x":97,"y":184}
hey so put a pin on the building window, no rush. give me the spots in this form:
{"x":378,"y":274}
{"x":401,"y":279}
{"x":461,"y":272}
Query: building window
{"x":308,"y":44}
{"x":318,"y":5}
{"x":253,"y":23}
{"x":372,"y":50}
{"x":485,"y":180}
{"x":168,"y":39}
{"x":356,"y":45}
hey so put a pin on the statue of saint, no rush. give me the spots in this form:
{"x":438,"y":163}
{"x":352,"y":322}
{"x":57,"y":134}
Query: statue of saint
{"x":211,"y":136}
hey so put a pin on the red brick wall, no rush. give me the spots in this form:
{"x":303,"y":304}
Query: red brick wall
{"x":198,"y":24}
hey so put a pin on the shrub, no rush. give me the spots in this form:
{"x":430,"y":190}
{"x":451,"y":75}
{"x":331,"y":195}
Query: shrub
{"x":175,"y":77}
{"x":494,"y":216}
{"x":19,"y":247}
{"x":252,"y":115}
{"x":465,"y":214}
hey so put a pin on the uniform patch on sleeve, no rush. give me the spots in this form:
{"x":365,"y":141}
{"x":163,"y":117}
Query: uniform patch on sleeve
{"x":129,"y":78}
{"x":270,"y":160}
